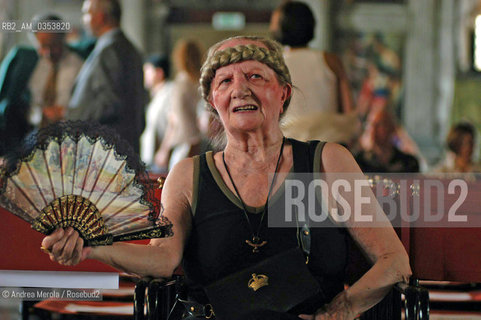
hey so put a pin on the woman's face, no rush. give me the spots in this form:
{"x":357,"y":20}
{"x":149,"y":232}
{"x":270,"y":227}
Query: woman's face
{"x":381,"y":128}
{"x":248,"y":96}
{"x":466,"y":147}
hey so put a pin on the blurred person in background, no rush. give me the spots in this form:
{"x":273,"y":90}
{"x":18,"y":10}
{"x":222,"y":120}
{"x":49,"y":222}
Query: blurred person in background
{"x":382,"y":86}
{"x":379,"y":152}
{"x":322,"y":106}
{"x":182,"y":137}
{"x":109,"y":88}
{"x":156,"y":75}
{"x":36,"y":83}
{"x":460,"y":145}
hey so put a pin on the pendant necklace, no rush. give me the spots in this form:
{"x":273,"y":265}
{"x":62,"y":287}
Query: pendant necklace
{"x":256,"y":241}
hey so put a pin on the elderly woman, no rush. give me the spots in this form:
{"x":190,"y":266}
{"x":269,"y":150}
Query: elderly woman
{"x":218,"y":202}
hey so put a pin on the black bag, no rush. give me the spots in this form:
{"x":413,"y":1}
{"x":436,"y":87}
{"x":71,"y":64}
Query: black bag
{"x":278,"y":283}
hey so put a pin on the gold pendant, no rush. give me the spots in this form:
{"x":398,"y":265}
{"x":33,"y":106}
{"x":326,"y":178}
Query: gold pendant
{"x":255,"y":244}
{"x":258,"y":281}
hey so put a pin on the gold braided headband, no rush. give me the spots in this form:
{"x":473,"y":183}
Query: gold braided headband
{"x":241,"y":53}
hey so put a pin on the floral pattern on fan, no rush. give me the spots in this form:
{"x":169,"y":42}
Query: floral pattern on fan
{"x":72,"y":174}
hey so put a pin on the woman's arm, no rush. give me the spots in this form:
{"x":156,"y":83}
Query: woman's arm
{"x":344,"y":87}
{"x":380,"y":243}
{"x":160,"y":257}
{"x":163,"y":153}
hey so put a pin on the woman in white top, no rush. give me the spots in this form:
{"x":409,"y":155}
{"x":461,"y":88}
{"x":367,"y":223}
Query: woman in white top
{"x":182,"y":136}
{"x":156,"y":74}
{"x":323,"y":88}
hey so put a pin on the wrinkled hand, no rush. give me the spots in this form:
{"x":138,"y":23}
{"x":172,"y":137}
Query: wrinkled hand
{"x":65,"y":246}
{"x":322,"y":314}
{"x":339,"y":309}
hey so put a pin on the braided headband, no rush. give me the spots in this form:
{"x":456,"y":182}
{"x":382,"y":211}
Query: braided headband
{"x":222,"y":58}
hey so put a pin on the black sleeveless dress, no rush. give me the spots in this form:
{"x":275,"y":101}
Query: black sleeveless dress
{"x":217,"y":248}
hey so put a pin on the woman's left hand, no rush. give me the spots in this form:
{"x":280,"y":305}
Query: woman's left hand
{"x":324,"y":316}
{"x":338,"y":309}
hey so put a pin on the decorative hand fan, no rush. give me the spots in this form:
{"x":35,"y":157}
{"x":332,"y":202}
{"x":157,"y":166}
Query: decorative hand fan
{"x":82,"y":175}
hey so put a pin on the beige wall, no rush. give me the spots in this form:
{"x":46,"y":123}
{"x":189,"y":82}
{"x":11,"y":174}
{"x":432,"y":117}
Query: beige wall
{"x":207,"y":36}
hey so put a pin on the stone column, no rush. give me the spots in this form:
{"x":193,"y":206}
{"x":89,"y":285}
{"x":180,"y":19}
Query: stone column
{"x":420,"y":114}
{"x":322,"y":33}
{"x":158,"y":30}
{"x":133,"y":21}
{"x":447,"y":66}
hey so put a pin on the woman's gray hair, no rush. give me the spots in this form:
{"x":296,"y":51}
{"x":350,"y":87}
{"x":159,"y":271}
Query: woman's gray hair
{"x":272,"y":57}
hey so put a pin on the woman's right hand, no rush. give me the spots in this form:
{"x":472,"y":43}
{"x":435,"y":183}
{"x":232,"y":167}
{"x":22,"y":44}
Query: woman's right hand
{"x":66,"y":247}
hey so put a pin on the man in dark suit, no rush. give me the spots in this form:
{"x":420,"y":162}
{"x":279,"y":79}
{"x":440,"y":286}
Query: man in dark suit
{"x":35,"y":84}
{"x":109,"y":88}
{"x":15,"y":72}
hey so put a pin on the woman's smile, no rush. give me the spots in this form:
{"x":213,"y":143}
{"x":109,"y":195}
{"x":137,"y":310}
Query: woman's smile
{"x":245,"y":108}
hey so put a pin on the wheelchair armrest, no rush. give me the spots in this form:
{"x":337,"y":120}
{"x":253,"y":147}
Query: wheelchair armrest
{"x":416,"y":300}
{"x":156,"y":296}
{"x":139,"y":298}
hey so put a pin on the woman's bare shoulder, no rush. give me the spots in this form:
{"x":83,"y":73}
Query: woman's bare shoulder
{"x":183,"y":167}
{"x":180,"y":180}
{"x":336,"y":158}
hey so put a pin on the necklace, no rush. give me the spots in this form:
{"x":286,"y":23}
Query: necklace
{"x":256,"y":241}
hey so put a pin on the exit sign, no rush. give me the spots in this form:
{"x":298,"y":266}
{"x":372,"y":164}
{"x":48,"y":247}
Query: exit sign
{"x":228,"y":21}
